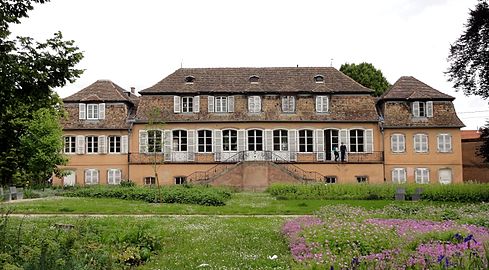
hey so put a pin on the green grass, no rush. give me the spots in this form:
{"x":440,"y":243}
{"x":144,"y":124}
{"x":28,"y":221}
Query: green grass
{"x":240,"y":203}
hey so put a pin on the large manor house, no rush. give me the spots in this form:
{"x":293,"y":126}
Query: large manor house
{"x":250,"y":127}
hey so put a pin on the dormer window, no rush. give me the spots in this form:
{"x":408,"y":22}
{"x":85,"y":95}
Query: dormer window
{"x":319,"y":79}
{"x":423,"y":109}
{"x":189,"y":79}
{"x":254,"y":79}
{"x":91,"y":111}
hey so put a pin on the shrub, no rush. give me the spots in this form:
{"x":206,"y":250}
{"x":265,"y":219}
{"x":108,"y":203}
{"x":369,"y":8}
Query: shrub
{"x":30,"y":194}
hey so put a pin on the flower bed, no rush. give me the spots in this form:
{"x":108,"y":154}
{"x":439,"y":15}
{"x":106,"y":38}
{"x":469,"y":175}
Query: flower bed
{"x":350,"y":238}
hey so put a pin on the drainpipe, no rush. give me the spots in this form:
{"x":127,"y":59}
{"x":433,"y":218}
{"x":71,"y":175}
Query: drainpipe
{"x":129,"y":130}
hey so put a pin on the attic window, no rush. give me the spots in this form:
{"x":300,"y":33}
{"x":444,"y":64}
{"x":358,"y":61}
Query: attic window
{"x":319,"y":79}
{"x":189,"y":79}
{"x":254,"y":79}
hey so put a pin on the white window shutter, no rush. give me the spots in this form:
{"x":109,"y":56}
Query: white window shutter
{"x":143,"y":141}
{"x":320,"y":145}
{"x":110,"y":176}
{"x":257,"y":104}
{"x":88,"y":177}
{"x":292,"y":104}
{"x":241,"y":140}
{"x":429,"y":109}
{"x":80,"y":144}
{"x":196,"y":104}
{"x":402,"y":143}
{"x":82,"y":111}
{"x":449,"y":143}
{"x":285,"y":107}
{"x":118,"y":176}
{"x":293,"y":144}
{"x":344,"y":138}
{"x":102,"y":144}
{"x":210,"y":103}
{"x":231,"y":104}
{"x":440,"y":142}
{"x":95,"y":176}
{"x":167,"y":145}
{"x":101,"y":111}
{"x":176,"y":104}
{"x":416,"y":109}
{"x":217,"y":144}
{"x":191,"y":145}
{"x":269,"y":140}
{"x":124,"y":144}
{"x":251,"y":104}
{"x":318,"y":104}
{"x":324,"y":104}
{"x":369,"y":140}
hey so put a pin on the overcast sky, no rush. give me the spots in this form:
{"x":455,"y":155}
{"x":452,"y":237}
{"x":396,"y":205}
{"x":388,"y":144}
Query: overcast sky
{"x":138,"y":43}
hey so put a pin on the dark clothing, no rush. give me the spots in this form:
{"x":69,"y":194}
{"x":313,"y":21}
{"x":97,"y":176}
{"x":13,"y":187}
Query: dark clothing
{"x":336,"y":153}
{"x":343,"y":152}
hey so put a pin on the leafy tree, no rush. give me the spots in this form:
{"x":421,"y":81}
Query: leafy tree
{"x":29,"y":71}
{"x":469,"y":55}
{"x":483,"y":150}
{"x":367,"y":75}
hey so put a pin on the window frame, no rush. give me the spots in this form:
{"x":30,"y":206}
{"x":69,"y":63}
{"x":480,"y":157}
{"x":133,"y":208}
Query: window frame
{"x":179,"y":140}
{"x":447,"y":141}
{"x":361,"y":178}
{"x":287,"y":103}
{"x":189,"y":102}
{"x":451,"y":176}
{"x":354,"y":141}
{"x":420,"y":174}
{"x":418,"y":140}
{"x":114,"y":144}
{"x":155,"y":142}
{"x":396,"y":145}
{"x":70,"y":144}
{"x":92,"y":171}
{"x":180,"y":180}
{"x":232,"y":145}
{"x":401,"y":175}
{"x":254,"y":140}
{"x":117,"y":177}
{"x":306,"y":141}
{"x":280,"y":140}
{"x":91,"y":145}
{"x":256,"y":102}
{"x":324,"y":104}
{"x":152,"y":181}
{"x":205,"y":139}
{"x":223,"y":103}
{"x":328,"y":178}
{"x":94,"y":113}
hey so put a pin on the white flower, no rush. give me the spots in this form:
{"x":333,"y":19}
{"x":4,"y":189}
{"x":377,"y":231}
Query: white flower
{"x":273,"y":257}
{"x":203,"y":265}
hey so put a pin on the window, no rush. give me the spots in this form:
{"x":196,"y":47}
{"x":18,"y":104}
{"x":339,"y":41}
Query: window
{"x":444,"y":143}
{"x":322,"y":104}
{"x":180,"y":180}
{"x":92,"y":111}
{"x":187,"y":104}
{"x":357,"y":140}
{"x":229,"y":140}
{"x":114,"y":144}
{"x":180,"y":140}
{"x":362,"y":179}
{"x":114,"y":176}
{"x":288,"y":104}
{"x":189,"y":79}
{"x":305,"y":140}
{"x":319,"y":79}
{"x":280,"y":140}
{"x":423,"y":109}
{"x":205,"y":141}
{"x":399,"y":175}
{"x":445,"y":176}
{"x":70,"y":145}
{"x":92,"y":144}
{"x":422,"y":175}
{"x":255,"y":140}
{"x":398,"y":143}
{"x":91,"y":177}
{"x":330,"y":179}
{"x":254,"y":79}
{"x":254,"y":104}
{"x":421,"y":143}
{"x":221,"y":104}
{"x":155,"y":141}
{"x":149,"y":180}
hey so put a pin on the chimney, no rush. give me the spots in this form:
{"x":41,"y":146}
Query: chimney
{"x":133,"y":90}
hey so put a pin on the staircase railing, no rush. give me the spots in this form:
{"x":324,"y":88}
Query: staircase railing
{"x":305,"y":176}
{"x":206,"y":176}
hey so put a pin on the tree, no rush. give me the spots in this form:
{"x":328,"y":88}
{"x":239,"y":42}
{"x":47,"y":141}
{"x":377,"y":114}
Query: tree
{"x":483,"y":150}
{"x":367,"y":75}
{"x":469,"y":55}
{"x":29,"y":71}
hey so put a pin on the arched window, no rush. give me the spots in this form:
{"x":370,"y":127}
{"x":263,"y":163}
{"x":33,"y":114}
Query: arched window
{"x":357,"y":140}
{"x":319,"y":79}
{"x":306,"y":140}
{"x":254,"y":79}
{"x":255,"y":140}
{"x":229,"y":140}
{"x":280,"y":140}
{"x":189,"y":79}
{"x":205,"y":141}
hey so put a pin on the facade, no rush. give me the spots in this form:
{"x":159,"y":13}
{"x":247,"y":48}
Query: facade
{"x":249,"y":127}
{"x":474,"y":167}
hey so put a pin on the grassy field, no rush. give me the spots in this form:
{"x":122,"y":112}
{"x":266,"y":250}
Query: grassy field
{"x":240,"y":203}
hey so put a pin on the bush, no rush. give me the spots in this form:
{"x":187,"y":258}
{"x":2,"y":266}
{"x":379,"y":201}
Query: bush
{"x":30,"y":194}
{"x":169,"y":194}
{"x":446,"y":193}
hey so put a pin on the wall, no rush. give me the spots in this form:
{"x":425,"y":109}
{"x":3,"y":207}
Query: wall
{"x":475,"y":169}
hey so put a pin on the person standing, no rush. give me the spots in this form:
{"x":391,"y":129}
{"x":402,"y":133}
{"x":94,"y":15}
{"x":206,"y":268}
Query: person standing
{"x":343,"y":152}
{"x":336,"y":153}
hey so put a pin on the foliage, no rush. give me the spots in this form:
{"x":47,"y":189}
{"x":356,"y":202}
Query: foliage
{"x":367,"y":75}
{"x":483,"y":150}
{"x":127,"y":183}
{"x":469,"y":55}
{"x":445,"y":193}
{"x":170,"y":194}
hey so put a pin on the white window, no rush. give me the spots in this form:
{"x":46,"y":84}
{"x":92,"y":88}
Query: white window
{"x":91,"y":177}
{"x":92,"y":144}
{"x":70,"y":145}
{"x":423,"y":109}
{"x":179,"y":140}
{"x":288,"y":104}
{"x":319,"y":79}
{"x":180,"y":180}
{"x":205,"y":141}
{"x":149,"y":181}
{"x":92,"y":111}
{"x":114,"y":176}
{"x":422,"y":175}
{"x":330,"y":179}
{"x":280,"y":140}
{"x":306,"y":140}
{"x":357,"y":140}
{"x":445,"y":176}
{"x":255,"y":140}
{"x":421,"y":143}
{"x":399,"y":175}
{"x":114,"y":144}
{"x":155,"y":141}
{"x":187,"y":104}
{"x":444,"y":143}
{"x":221,"y":104}
{"x":322,"y":104}
{"x":254,"y":104}
{"x":398,"y":143}
{"x":229,"y":140}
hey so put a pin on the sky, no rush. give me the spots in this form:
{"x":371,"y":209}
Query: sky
{"x":138,"y":43}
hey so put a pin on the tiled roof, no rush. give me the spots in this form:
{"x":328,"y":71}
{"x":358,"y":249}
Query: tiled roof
{"x":410,"y":88}
{"x":237,"y":80}
{"x":102,"y":91}
{"x":470,"y":134}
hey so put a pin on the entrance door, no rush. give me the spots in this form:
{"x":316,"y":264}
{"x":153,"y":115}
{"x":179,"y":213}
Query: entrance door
{"x":331,"y":140}
{"x":255,"y":145}
{"x":70,"y":179}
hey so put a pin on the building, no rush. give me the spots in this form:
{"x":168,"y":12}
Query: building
{"x":249,"y":127}
{"x":474,"y":167}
